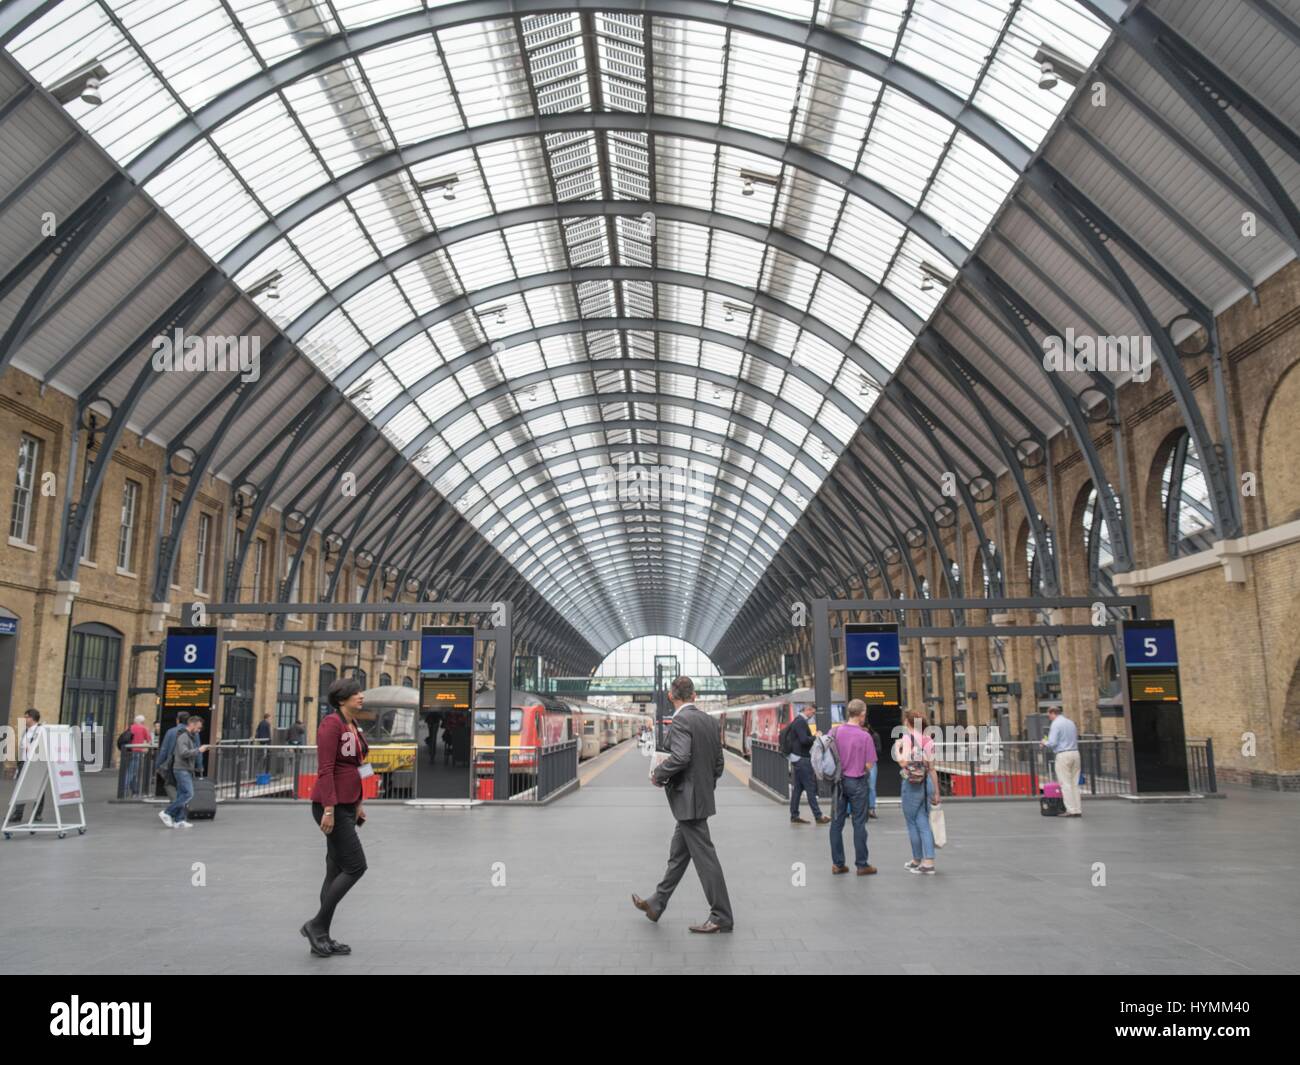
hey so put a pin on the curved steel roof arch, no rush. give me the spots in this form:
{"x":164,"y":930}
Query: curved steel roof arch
{"x":704,"y":334}
{"x":577,"y":275}
{"x":700,"y":548}
{"x":357,"y":40}
{"x":534,"y":214}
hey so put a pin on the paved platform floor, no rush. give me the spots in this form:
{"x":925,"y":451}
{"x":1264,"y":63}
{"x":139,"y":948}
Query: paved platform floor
{"x":1210,"y":887}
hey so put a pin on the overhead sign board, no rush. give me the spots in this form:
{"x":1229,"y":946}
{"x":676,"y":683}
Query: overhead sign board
{"x":872,"y":663}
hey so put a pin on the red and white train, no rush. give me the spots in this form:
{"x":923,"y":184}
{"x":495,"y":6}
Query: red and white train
{"x":742,"y":723}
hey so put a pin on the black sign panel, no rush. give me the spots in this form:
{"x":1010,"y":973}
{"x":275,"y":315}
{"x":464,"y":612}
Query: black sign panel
{"x":444,"y":693}
{"x":191,"y":692}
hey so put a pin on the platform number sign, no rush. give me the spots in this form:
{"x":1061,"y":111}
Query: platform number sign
{"x":872,"y":663}
{"x":191,"y":651}
{"x":446,"y":650}
{"x":189,"y":672}
{"x":1149,"y":644}
{"x":1150,"y":662}
{"x":447,"y":669}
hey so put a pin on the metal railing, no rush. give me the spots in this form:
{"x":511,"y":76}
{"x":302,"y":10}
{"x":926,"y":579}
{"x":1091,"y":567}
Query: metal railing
{"x":1014,"y":769}
{"x":1201,"y":777}
{"x":1017,"y":769}
{"x":535,"y":772}
{"x":769,"y":766}
{"x":559,"y":768}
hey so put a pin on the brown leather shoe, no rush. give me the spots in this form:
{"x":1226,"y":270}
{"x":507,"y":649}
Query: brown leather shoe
{"x":645,"y":907}
{"x":867,"y":870}
{"x":708,"y":927}
{"x":823,"y":820}
{"x":799,"y":821}
{"x":839,"y":868}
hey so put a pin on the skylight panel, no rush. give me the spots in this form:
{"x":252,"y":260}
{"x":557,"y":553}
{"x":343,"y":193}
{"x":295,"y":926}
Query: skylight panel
{"x":412,"y":89}
{"x":334,"y":244}
{"x":207,"y":200}
{"x":688,"y":61}
{"x":487,"y":71}
{"x":867,"y":238}
{"x":884,"y":338}
{"x":906,"y":143}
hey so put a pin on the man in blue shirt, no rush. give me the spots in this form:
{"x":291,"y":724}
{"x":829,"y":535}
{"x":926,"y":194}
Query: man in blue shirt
{"x":1063,"y":738}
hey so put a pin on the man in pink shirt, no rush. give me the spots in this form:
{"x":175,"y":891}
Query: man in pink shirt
{"x":857,"y":754}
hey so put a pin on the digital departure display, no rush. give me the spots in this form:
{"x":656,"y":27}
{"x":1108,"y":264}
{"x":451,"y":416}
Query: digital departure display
{"x":444,"y":693}
{"x":878,"y":690}
{"x":187,"y":691}
{"x":1153,"y":686}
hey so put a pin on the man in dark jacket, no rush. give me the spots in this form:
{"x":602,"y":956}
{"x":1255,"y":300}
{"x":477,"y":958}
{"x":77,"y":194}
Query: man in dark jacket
{"x":689,"y":775}
{"x":801,"y":764}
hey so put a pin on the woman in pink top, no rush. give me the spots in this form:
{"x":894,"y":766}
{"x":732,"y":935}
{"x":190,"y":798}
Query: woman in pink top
{"x":914,"y":753}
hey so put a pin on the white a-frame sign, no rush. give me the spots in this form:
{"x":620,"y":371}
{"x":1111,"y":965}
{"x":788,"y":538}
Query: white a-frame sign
{"x":49,"y":786}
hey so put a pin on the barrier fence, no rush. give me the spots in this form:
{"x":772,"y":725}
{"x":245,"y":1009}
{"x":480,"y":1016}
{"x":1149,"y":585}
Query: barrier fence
{"x":1014,"y":769}
{"x":250,"y":771}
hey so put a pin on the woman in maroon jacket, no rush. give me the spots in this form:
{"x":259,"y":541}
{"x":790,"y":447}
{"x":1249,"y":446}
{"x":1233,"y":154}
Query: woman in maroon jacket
{"x":336,"y":806}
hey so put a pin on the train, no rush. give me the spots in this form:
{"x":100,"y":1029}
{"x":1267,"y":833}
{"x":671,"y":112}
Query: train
{"x":743,"y":722}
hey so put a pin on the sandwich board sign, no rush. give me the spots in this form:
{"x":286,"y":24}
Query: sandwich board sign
{"x":49,"y":783}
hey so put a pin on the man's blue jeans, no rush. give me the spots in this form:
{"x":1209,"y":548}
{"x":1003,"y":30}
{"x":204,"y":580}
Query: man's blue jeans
{"x":184,"y":793}
{"x":850,"y":797}
{"x":133,"y":772}
{"x":804,"y":781}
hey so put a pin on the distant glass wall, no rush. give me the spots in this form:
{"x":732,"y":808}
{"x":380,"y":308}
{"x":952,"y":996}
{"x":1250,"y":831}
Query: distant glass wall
{"x":636,"y":658}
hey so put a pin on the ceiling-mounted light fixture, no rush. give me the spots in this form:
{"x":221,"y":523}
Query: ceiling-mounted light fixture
{"x":446,"y":184}
{"x":497,"y":312}
{"x":931,"y":275}
{"x":750,"y":178}
{"x":730,"y":310}
{"x":1054,"y":67}
{"x":82,"y":84}
{"x":268,"y":286}
{"x":362,"y":391}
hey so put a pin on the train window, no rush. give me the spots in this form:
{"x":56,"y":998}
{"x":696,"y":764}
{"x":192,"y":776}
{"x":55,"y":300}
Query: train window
{"x":486,"y":720}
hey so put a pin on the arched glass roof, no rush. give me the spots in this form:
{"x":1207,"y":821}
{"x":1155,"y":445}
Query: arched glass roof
{"x":532,"y":242}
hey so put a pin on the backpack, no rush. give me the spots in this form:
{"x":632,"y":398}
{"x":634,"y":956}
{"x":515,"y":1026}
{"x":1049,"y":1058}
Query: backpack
{"x":785,"y":740}
{"x":825,"y":758}
{"x":124,"y":740}
{"x":915,"y":769}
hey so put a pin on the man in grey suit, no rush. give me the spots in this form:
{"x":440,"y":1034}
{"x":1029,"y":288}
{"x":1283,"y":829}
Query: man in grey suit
{"x":689,"y":775}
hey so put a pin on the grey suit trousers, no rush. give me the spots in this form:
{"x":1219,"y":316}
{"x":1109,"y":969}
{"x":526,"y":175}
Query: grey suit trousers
{"x":692,"y":843}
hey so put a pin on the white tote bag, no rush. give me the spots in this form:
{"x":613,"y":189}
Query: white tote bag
{"x":937,"y":827}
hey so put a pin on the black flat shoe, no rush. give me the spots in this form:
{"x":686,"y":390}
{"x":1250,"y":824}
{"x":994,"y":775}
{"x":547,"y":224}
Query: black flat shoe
{"x":339,"y":948}
{"x":319,"y":944}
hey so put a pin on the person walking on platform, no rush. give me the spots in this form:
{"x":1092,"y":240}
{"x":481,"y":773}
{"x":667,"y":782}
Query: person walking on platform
{"x":1063,"y":738}
{"x":871,"y":780}
{"x":914,"y":753}
{"x":689,"y":775}
{"x":163,"y":767}
{"x":804,"y":780}
{"x":337,"y":808}
{"x":184,"y":764}
{"x":857,"y":754}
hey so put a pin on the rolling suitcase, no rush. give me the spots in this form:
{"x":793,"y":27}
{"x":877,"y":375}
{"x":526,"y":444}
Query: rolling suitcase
{"x":203,"y":807}
{"x":1050,"y":803}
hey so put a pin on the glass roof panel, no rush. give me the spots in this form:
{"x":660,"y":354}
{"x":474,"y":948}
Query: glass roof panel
{"x":166,"y":61}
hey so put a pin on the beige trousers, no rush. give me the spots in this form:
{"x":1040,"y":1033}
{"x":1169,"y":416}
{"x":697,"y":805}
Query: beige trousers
{"x":1067,"y":775}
